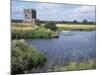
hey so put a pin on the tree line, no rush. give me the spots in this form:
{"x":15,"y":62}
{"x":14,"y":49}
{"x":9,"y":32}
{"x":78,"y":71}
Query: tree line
{"x":59,"y":22}
{"x":68,"y":22}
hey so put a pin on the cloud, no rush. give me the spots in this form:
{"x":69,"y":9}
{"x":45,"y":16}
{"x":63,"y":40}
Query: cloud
{"x":85,"y":12}
{"x":51,"y":11}
{"x":45,"y":10}
{"x":48,"y":11}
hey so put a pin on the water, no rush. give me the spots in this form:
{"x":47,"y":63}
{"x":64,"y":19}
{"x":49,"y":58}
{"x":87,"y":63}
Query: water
{"x":70,"y":46}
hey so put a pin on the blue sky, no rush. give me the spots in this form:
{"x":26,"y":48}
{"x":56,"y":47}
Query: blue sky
{"x":54,"y":12}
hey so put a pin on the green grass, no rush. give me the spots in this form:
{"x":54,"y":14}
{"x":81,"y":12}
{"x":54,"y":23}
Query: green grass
{"x":32,"y":34}
{"x":22,"y":25}
{"x":24,"y":58}
{"x":73,"y":66}
{"x":76,"y":27}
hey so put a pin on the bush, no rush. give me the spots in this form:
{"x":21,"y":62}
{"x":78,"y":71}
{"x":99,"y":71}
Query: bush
{"x":25,"y":58}
{"x":51,"y":26}
{"x":31,"y":34}
{"x":38,"y":23}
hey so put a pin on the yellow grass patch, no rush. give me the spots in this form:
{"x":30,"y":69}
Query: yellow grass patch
{"x":22,"y":26}
{"x":75,"y":26}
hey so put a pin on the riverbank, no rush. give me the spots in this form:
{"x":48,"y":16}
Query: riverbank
{"x":30,"y":32}
{"x":76,"y":27}
{"x":24,"y":58}
{"x":74,"y":66}
{"x":33,"y":33}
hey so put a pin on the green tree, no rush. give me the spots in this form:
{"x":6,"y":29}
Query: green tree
{"x":85,"y":21}
{"x":50,"y":25}
{"x":75,"y":21}
{"x":37,"y":22}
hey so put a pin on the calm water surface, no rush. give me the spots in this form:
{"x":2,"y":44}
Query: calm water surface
{"x":70,"y":46}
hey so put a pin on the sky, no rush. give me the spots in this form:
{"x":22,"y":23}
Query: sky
{"x":53,"y":11}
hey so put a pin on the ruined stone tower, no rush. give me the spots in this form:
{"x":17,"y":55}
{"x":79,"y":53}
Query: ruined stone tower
{"x":29,"y":16}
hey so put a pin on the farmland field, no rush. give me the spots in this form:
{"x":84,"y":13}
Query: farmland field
{"x":75,"y":27}
{"x":59,"y":26}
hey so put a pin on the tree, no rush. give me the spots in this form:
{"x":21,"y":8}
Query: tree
{"x":37,"y":22}
{"x":50,"y":25}
{"x":75,"y":21}
{"x":85,"y":21}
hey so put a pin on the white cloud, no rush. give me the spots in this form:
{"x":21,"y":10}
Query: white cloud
{"x":84,"y":12}
{"x":51,"y":11}
{"x":17,"y":9}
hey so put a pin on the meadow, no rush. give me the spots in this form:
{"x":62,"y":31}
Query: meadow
{"x":76,"y":27}
{"x":21,"y":31}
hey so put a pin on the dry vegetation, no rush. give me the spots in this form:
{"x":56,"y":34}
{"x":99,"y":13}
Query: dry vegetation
{"x":75,"y":27}
{"x":22,"y":26}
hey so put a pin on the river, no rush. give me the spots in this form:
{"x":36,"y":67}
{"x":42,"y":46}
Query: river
{"x":70,"y":46}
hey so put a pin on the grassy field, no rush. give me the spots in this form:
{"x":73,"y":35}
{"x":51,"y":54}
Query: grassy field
{"x":75,"y":27}
{"x":21,"y":26}
{"x":34,"y":31}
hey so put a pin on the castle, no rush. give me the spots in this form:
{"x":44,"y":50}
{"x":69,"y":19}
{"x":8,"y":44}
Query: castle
{"x":29,"y":16}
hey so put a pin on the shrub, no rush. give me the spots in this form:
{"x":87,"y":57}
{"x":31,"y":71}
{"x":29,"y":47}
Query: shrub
{"x":38,"y":23}
{"x":25,"y":58}
{"x":51,"y":26}
{"x":36,"y":33}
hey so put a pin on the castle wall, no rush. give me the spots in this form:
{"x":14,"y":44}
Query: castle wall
{"x":30,"y":16}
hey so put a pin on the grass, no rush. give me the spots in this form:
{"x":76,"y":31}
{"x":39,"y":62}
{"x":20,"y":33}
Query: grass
{"x":21,"y":31}
{"x":80,"y":27}
{"x":24,"y":58}
{"x":72,"y":66}
{"x":32,"y":34}
{"x":22,"y":26}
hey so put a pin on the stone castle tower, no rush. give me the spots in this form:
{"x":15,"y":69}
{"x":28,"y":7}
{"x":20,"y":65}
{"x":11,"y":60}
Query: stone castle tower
{"x":30,"y":16}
